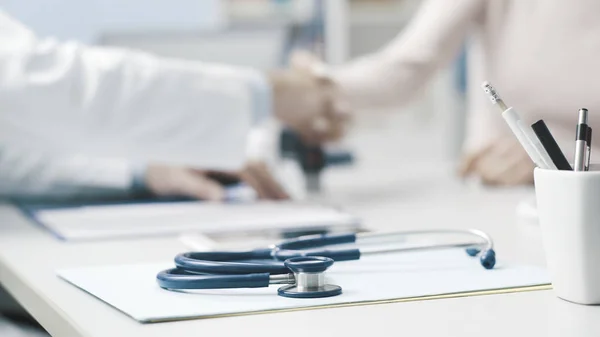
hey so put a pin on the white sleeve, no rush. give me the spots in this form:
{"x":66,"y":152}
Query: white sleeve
{"x":30,"y":175}
{"x":395,"y":73}
{"x":117,"y":103}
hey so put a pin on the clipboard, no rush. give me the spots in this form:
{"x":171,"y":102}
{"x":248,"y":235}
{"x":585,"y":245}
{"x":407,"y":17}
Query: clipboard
{"x":389,"y":278}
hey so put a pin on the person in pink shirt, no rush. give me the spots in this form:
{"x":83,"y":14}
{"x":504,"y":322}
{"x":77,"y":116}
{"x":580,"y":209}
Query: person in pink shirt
{"x":541,"y":56}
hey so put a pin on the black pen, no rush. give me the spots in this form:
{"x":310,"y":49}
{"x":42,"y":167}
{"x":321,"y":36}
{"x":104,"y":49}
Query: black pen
{"x":548,"y":142}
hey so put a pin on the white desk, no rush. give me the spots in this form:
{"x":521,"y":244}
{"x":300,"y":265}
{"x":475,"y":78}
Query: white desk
{"x":387,"y":193}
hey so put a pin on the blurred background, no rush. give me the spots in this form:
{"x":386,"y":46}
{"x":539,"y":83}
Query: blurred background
{"x":262,"y":33}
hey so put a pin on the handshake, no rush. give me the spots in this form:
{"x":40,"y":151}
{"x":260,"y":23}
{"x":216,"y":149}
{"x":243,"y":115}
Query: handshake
{"x":305,"y":99}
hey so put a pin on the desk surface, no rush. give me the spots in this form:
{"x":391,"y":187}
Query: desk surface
{"x":389,"y":195}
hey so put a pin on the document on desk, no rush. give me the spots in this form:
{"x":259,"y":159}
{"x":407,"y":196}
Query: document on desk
{"x":397,"y":277}
{"x":114,"y":221}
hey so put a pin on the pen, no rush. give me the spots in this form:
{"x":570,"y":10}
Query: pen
{"x":580,"y":141}
{"x":524,"y":134}
{"x":588,"y":140}
{"x":548,"y":142}
{"x":240,"y":193}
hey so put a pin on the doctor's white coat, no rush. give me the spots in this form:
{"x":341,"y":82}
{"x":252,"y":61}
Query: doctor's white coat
{"x":73,"y":118}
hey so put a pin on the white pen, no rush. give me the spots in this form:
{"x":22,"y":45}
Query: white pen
{"x":588,"y":140}
{"x":580,"y":141}
{"x":525,"y":135}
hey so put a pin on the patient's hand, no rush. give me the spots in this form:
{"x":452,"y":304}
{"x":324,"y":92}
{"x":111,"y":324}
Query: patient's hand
{"x":164,"y":180}
{"x":503,"y":162}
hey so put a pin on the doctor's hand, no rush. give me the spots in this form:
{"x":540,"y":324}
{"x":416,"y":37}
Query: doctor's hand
{"x":309,"y":102}
{"x":502,"y":163}
{"x":177,"y":181}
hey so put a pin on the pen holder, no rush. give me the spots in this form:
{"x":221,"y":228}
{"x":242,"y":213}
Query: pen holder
{"x":568,"y":205}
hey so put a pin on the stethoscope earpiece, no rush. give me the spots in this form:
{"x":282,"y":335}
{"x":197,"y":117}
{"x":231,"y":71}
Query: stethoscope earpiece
{"x":487,"y":258}
{"x":473,"y":251}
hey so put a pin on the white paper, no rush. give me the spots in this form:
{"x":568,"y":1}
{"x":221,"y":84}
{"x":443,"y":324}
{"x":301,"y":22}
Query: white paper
{"x":133,"y":290}
{"x":100,"y":222}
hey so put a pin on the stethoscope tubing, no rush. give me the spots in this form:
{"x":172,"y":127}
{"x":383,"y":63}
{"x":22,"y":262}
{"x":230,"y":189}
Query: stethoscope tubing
{"x":270,"y":260}
{"x":178,"y":279}
{"x":281,"y":264}
{"x":380,"y":237}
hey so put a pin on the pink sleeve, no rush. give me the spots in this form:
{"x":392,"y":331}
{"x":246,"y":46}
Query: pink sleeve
{"x":395,"y":73}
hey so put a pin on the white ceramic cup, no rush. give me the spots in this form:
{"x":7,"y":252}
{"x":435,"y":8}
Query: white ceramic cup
{"x":568,"y":206}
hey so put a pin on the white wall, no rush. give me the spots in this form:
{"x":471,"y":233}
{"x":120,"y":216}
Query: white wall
{"x":86,"y":20}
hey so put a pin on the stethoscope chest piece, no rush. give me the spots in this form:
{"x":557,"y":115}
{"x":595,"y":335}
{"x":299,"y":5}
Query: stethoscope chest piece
{"x":309,"y":274}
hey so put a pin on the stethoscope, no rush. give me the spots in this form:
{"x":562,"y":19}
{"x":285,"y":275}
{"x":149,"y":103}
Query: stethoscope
{"x":298,"y":264}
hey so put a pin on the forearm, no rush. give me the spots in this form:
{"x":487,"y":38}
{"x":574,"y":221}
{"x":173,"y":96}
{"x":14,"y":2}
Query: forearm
{"x":394,"y":74}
